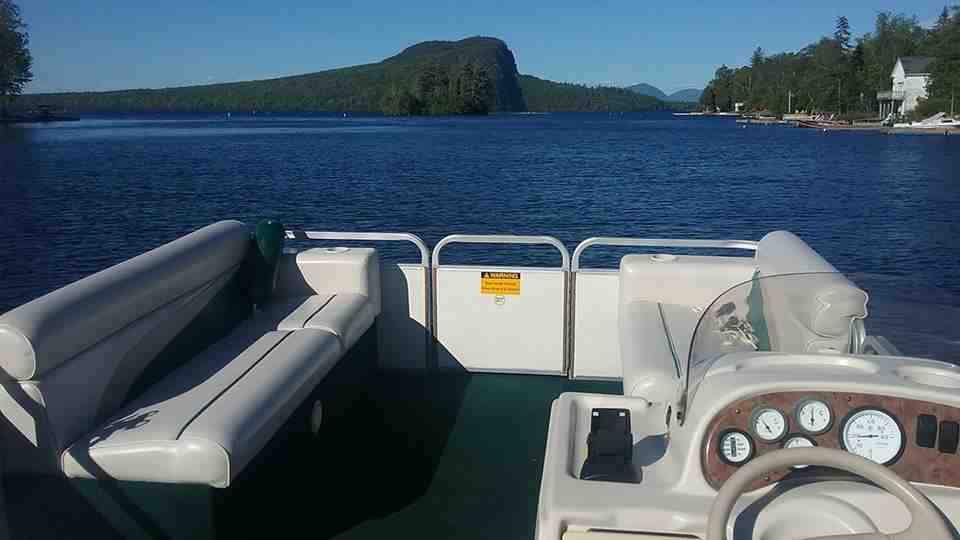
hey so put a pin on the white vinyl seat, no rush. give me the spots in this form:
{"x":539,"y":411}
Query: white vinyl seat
{"x":347,"y":315}
{"x":96,"y":380}
{"x":206,"y":420}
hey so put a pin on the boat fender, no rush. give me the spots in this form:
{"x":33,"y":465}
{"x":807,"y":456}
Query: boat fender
{"x":268,"y":239}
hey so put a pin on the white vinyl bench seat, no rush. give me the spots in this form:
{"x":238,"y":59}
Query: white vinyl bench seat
{"x":204,"y":421}
{"x":104,"y":378}
{"x":347,"y":315}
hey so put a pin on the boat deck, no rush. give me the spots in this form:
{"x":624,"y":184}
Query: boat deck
{"x":483,"y":481}
{"x":436,"y":454}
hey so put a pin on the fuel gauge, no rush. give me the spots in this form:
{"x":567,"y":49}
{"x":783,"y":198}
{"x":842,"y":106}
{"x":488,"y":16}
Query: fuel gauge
{"x":735,"y":448}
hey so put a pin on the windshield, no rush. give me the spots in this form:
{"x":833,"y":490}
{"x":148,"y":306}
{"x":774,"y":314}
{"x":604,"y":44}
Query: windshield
{"x":792,"y":313}
{"x":824,"y":313}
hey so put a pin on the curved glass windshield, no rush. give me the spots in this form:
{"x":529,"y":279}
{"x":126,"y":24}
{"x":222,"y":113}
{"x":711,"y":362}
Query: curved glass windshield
{"x":824,"y":313}
{"x":793,"y":313}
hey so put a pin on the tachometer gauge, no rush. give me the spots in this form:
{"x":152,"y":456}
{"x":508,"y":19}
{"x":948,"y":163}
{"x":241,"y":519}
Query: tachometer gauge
{"x":768,"y":424}
{"x":798,"y":441}
{"x":873,"y":434}
{"x":814,"y":416}
{"x":735,"y":447}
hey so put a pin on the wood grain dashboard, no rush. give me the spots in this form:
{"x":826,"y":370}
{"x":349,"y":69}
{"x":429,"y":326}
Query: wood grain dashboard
{"x":916,"y":463}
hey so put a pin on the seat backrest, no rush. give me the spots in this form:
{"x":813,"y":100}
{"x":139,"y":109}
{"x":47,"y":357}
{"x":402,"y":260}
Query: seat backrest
{"x":71,"y":357}
{"x":813,"y":313}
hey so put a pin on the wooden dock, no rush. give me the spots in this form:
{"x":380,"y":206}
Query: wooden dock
{"x":947,"y":131}
{"x":885,"y":130}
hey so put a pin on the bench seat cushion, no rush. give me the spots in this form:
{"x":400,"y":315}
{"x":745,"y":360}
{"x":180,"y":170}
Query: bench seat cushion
{"x":205,"y":421}
{"x":346,"y":316}
{"x":645,"y":350}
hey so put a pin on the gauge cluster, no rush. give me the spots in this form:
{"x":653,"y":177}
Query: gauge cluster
{"x":915,"y":438}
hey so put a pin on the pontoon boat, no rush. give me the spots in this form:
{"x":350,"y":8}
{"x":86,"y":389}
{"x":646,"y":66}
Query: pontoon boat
{"x":252,"y":381}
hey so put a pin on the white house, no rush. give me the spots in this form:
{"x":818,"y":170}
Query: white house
{"x":910,"y":76}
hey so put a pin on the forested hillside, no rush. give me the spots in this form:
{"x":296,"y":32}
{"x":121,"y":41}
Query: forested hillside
{"x":841,"y":73}
{"x":364,"y":88}
{"x":471,"y":76}
{"x":548,"y":96}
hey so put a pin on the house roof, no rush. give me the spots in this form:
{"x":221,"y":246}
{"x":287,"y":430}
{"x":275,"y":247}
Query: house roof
{"x":916,"y":65}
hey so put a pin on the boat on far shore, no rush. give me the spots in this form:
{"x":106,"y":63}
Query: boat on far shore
{"x":938,"y":121}
{"x":709,"y":114}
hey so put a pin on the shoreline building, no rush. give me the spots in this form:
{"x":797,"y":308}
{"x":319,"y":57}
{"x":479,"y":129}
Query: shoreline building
{"x":909,"y":84}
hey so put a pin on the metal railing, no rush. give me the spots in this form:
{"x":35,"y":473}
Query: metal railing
{"x":502,"y":239}
{"x":366,"y":237}
{"x":885,"y":95}
{"x":749,"y":245}
{"x":568,"y":265}
{"x":675,"y":243}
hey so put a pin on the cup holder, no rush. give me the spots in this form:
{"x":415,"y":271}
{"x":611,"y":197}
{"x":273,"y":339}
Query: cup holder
{"x":663,"y":257}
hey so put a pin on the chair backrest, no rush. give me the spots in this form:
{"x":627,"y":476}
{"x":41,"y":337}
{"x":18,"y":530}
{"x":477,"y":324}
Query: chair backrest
{"x":72,"y":357}
{"x":813,"y":313}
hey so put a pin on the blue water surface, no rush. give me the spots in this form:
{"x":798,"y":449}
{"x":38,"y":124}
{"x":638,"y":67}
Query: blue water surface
{"x":77,"y":197}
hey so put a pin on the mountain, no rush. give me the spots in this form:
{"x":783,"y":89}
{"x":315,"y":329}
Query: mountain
{"x":648,"y":90}
{"x":548,"y":96}
{"x":471,"y":75}
{"x":687,"y":95}
{"x":363,"y":88}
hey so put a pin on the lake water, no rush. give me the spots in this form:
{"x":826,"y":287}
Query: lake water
{"x":77,"y":197}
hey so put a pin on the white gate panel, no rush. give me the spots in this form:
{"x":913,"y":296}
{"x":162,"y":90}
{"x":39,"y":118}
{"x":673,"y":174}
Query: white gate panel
{"x":483,"y":331}
{"x":596,"y":349}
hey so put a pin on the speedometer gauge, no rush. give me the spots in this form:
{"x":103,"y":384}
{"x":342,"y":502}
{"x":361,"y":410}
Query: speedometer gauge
{"x":873,"y":434}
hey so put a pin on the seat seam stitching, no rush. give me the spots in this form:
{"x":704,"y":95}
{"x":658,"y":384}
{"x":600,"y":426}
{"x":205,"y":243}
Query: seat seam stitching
{"x":317,"y":312}
{"x":229,"y":386}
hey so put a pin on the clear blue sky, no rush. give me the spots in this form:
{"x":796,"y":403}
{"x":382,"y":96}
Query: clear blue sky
{"x":113,"y":44}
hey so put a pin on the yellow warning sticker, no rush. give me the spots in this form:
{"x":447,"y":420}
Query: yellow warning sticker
{"x":500,"y":283}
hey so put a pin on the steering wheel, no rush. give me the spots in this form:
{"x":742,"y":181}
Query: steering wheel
{"x":926,"y":522}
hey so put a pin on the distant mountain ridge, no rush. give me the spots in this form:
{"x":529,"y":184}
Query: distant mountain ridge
{"x":687,"y":95}
{"x":648,"y":90}
{"x":421,"y":72}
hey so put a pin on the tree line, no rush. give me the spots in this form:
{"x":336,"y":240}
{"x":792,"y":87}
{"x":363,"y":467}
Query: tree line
{"x":841,"y":74}
{"x":439,"y":90}
{"x":548,"y":96}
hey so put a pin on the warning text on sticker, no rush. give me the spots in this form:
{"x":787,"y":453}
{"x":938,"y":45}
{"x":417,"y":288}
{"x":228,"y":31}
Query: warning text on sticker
{"x":500,"y":283}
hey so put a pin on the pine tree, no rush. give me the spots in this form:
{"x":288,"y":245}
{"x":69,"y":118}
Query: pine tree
{"x":15,"y":59}
{"x":842,"y":33}
{"x":943,"y":19}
